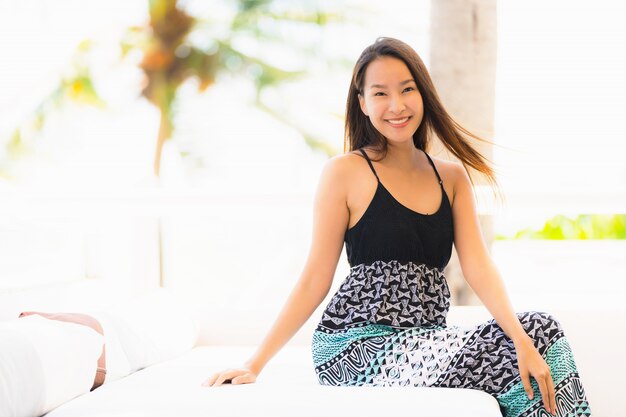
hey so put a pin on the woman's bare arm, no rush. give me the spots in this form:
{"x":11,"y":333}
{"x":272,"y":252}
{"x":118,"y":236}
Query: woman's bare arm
{"x":483,"y":276}
{"x":330,"y":220}
{"x":478,"y":268}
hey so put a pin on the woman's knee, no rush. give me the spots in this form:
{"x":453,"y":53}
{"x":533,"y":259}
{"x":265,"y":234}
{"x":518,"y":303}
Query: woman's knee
{"x":543,"y":317}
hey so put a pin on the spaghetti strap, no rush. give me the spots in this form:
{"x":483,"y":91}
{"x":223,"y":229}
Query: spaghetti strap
{"x":370,"y":163}
{"x":435,"y":168}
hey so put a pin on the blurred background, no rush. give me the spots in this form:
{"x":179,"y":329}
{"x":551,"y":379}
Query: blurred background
{"x":179,"y":144}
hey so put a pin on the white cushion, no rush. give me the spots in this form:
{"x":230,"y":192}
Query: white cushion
{"x":286,"y":387}
{"x":117,"y":364}
{"x":44,"y":363}
{"x":152,"y":328}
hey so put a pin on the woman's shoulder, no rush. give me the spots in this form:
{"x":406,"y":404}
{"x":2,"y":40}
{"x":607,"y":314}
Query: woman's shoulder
{"x":344,"y":169}
{"x":336,"y":167}
{"x":452,"y":173}
{"x":346,"y":162}
{"x":446,"y":166}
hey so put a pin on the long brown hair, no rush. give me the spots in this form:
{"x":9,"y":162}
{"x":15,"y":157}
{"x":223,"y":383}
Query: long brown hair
{"x":359,"y":131}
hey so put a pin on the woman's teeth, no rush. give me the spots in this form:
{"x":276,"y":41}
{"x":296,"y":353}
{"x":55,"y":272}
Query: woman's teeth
{"x":398,"y":122}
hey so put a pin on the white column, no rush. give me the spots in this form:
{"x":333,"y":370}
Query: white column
{"x":463,"y":65}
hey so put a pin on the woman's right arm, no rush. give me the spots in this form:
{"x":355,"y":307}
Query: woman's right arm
{"x":330,"y":221}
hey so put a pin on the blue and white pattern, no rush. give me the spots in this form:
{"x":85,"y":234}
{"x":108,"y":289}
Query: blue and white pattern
{"x":386,"y":326}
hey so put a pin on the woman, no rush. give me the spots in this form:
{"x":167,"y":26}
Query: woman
{"x":399,"y":211}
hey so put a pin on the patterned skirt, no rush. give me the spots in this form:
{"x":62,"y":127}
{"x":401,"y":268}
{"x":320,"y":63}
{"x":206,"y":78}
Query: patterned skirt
{"x":386,"y":326}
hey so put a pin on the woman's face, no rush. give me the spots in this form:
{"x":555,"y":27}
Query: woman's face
{"x":391,"y":100}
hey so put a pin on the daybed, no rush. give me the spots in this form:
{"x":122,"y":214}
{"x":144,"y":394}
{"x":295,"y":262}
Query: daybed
{"x":160,"y":374}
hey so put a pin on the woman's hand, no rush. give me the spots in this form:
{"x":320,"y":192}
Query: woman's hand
{"x":242,"y":375}
{"x":530,"y":362}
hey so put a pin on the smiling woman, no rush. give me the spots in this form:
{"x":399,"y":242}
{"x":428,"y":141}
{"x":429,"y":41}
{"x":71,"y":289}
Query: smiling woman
{"x":392,"y":105}
{"x":395,"y":87}
{"x":386,"y":324}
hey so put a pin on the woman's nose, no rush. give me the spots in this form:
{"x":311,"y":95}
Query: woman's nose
{"x":397,"y":104}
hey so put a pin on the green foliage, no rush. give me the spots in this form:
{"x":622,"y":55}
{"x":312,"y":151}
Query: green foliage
{"x":585,"y":226}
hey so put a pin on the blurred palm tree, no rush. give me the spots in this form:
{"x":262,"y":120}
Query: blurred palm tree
{"x":169,"y":58}
{"x":176,"y":46}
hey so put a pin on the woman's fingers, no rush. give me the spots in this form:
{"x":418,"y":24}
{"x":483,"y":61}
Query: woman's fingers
{"x":526,"y":383}
{"x":530,"y":363}
{"x":234,"y":376}
{"x":219,"y":377}
{"x":226,"y":376}
{"x":244,"y":379}
{"x":543,"y":388}
{"x":552,"y":393}
{"x":209,"y":381}
{"x":546,"y":387}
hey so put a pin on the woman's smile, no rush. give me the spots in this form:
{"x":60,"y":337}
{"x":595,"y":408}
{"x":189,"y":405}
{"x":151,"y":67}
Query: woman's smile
{"x":399,"y":122}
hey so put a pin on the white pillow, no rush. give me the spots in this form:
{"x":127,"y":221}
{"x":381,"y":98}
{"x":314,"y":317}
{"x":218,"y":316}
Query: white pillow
{"x":44,"y":363}
{"x":117,"y":364}
{"x":152,"y":328}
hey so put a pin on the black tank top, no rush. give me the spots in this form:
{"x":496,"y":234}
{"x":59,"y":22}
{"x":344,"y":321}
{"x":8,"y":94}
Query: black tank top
{"x":388,"y":230}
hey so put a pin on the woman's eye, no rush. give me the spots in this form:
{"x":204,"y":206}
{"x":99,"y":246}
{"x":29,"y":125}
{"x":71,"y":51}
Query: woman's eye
{"x":380,"y":93}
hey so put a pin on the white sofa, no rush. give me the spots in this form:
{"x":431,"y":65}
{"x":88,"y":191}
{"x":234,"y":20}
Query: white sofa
{"x":288,"y":386}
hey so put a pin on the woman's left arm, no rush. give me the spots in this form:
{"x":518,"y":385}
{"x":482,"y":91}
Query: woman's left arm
{"x":478,"y":268}
{"x":483,"y":277}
